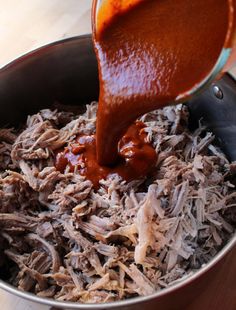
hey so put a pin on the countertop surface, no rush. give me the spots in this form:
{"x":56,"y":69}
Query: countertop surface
{"x":28,"y":24}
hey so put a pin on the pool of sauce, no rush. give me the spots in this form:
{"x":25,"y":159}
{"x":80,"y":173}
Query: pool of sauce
{"x":137,"y":158}
{"x":149,"y":53}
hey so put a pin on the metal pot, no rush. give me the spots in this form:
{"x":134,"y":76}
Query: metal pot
{"x":66,"y":71}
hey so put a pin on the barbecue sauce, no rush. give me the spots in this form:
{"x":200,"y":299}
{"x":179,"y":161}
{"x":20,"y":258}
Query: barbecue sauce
{"x":150,"y":53}
{"x":137,"y":158}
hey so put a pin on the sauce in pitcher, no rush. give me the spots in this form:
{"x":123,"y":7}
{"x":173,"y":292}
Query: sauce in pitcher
{"x":150,"y":53}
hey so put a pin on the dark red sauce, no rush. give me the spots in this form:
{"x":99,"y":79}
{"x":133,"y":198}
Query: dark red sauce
{"x":137,"y":158}
{"x":150,"y":52}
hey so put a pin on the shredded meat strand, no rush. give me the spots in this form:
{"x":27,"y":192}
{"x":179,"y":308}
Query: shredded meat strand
{"x":61,"y":238}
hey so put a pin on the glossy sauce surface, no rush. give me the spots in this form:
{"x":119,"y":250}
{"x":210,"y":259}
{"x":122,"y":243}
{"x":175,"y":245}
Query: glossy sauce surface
{"x":137,"y":158}
{"x":150,"y":52}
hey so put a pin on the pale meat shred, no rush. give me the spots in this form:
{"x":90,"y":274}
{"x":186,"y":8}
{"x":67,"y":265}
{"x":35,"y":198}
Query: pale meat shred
{"x":62,"y":239}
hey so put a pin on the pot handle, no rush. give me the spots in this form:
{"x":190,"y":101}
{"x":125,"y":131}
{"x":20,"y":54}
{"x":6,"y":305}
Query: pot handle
{"x":216,"y":108}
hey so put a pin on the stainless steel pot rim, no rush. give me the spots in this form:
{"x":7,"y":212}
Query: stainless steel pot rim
{"x":73,"y":305}
{"x":21,"y":57}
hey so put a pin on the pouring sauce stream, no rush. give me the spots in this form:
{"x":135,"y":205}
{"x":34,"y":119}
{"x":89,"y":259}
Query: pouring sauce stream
{"x":149,"y":53}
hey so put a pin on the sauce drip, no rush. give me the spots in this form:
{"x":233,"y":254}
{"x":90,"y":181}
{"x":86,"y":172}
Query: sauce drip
{"x":150,"y":52}
{"x":137,"y":158}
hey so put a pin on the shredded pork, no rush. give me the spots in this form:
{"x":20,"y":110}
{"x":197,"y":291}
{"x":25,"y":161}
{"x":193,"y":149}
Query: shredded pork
{"x":62,"y":239}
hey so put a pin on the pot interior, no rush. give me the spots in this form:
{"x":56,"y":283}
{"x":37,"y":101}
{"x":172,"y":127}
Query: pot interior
{"x":66,"y":72}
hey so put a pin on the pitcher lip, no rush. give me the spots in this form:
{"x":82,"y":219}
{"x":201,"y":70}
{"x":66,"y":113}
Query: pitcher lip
{"x":211,"y":77}
{"x":222,"y":61}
